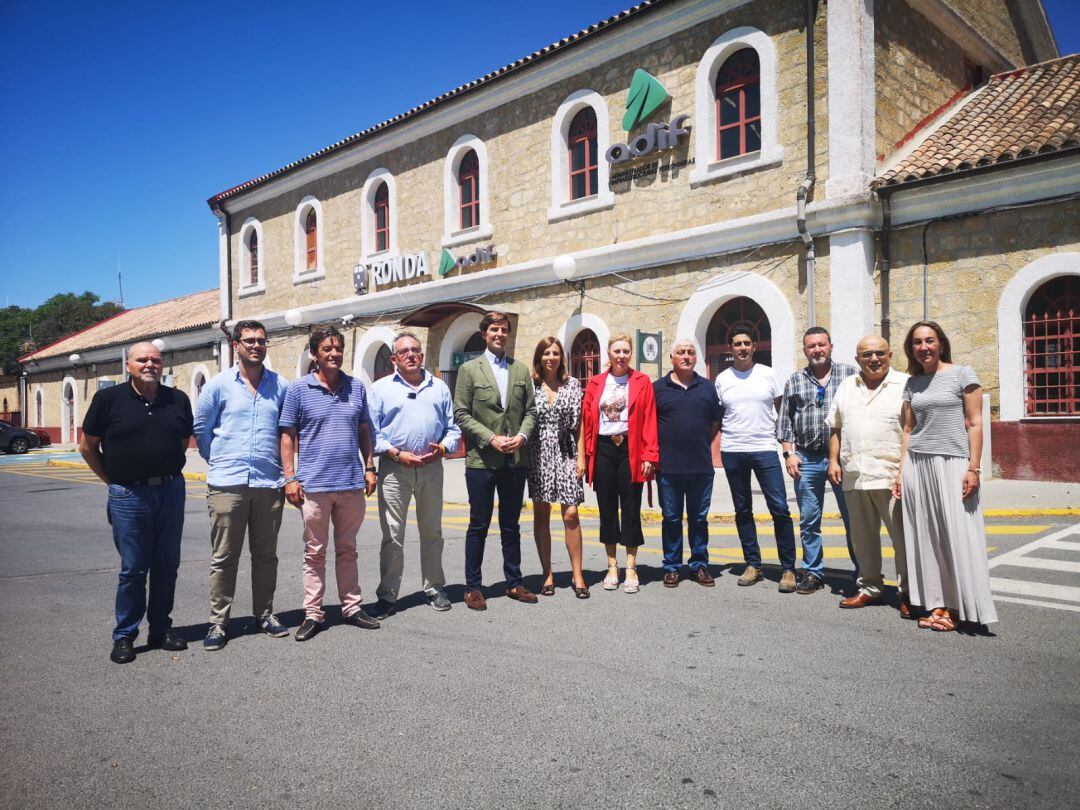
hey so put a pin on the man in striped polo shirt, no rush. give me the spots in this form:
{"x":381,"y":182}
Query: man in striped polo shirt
{"x":325,"y":419}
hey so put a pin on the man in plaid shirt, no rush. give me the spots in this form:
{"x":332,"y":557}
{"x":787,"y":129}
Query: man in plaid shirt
{"x":802,"y":431}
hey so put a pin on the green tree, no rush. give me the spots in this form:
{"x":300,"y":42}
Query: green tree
{"x":58,"y":317}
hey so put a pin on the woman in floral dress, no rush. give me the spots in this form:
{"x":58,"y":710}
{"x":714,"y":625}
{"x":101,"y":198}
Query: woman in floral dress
{"x":554,"y":474}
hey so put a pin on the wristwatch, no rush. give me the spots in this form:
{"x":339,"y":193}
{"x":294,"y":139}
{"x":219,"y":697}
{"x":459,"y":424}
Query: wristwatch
{"x":369,"y":469}
{"x":787,"y":454}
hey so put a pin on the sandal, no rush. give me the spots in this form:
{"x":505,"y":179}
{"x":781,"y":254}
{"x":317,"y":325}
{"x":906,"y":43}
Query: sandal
{"x":611,"y":581}
{"x":945,"y":622}
{"x":927,"y":621}
{"x":631,"y":585}
{"x":547,"y":590}
{"x":582,"y":592}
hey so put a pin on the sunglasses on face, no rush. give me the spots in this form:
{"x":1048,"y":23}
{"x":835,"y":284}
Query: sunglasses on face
{"x":251,"y":343}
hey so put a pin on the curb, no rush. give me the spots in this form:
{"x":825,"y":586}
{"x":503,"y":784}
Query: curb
{"x":78,"y":465}
{"x":655,"y":516}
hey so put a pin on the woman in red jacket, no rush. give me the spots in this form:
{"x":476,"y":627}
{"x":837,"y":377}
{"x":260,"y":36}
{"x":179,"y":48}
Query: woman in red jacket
{"x":618,"y":453}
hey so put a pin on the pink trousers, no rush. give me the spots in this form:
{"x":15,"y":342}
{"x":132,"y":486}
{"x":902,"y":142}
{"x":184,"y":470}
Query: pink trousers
{"x":346,"y":510}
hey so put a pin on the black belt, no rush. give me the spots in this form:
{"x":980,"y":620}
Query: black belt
{"x":153,"y":481}
{"x":616,"y":440}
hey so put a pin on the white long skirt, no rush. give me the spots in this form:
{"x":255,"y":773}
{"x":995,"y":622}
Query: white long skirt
{"x":945,"y":539}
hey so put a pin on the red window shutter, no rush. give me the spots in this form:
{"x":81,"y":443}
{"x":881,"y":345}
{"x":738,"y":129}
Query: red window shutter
{"x":581,"y":144}
{"x":738,"y":105}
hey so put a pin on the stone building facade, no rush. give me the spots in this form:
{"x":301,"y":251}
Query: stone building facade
{"x":60,"y":380}
{"x":499,"y":195}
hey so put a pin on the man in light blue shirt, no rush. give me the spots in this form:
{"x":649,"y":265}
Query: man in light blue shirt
{"x":236,"y":429}
{"x":413,"y":414}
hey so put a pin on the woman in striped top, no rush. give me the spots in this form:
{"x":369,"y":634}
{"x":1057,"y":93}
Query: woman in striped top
{"x":948,"y":571}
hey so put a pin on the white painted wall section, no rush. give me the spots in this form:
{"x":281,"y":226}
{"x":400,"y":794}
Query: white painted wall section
{"x":851,"y":290}
{"x":852,"y":97}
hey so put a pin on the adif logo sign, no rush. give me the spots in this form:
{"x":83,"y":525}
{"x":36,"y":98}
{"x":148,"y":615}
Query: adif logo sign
{"x":644,"y":98}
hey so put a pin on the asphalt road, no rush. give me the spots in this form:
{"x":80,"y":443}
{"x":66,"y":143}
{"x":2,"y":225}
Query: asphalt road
{"x":692,"y":697}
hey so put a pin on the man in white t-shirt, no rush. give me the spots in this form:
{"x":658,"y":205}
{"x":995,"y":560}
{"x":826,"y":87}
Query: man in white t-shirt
{"x":749,"y":394}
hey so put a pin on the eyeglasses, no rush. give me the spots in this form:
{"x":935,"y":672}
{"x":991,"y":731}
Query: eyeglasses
{"x":819,"y":398}
{"x":407,"y":352}
{"x":253,"y":342}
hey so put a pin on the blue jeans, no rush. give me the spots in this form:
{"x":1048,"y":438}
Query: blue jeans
{"x":695,"y":491}
{"x":482,"y":485}
{"x":810,"y":493}
{"x":770,"y":476}
{"x":147,"y":524}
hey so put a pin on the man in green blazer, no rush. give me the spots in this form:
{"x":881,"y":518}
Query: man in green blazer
{"x":495,"y":408}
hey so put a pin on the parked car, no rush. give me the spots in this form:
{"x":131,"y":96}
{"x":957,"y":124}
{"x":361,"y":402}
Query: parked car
{"x":43,"y":436}
{"x":16,"y":439}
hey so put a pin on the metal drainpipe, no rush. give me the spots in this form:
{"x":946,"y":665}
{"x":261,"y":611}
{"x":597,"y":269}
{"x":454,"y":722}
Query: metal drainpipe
{"x":886,"y":223}
{"x":808,"y":181}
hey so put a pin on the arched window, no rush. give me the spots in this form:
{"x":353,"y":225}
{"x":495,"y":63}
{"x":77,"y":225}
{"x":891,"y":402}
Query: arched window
{"x":200,"y":381}
{"x":383,"y":365}
{"x":740,"y":311}
{"x":1052,"y":349}
{"x":469,"y":190}
{"x":738,"y":105}
{"x":583,"y":161}
{"x":39,"y":409}
{"x":253,"y":256}
{"x":311,"y":240}
{"x":585,"y":356}
{"x":5,"y":405}
{"x":381,"y":209}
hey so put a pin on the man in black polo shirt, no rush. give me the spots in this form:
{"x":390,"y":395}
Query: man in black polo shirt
{"x":687,"y":419}
{"x":135,"y":438}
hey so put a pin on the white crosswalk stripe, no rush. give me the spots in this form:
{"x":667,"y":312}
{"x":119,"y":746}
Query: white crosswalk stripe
{"x":1028,"y":588}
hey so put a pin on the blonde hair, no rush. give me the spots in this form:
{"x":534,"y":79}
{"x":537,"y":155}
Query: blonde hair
{"x":622,"y":337}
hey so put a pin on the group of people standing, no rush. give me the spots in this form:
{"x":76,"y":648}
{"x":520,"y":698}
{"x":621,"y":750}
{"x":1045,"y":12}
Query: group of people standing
{"x":900,"y":451}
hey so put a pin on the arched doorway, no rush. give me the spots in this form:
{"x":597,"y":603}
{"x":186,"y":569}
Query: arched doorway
{"x":383,"y":367}
{"x":744,"y":312}
{"x":68,"y":401}
{"x":738,"y":311}
{"x":585,"y":356}
{"x":39,"y":409}
{"x":1052,"y":349}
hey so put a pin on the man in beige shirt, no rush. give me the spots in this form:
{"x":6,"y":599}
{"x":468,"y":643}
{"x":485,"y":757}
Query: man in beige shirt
{"x":864,"y":454}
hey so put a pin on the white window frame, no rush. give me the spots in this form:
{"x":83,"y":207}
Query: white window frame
{"x":367,"y":216}
{"x":562,"y":207}
{"x":301,"y":275}
{"x":195,"y":372}
{"x":244,"y":287}
{"x":65,"y":437}
{"x":707,"y":167}
{"x":453,"y":233}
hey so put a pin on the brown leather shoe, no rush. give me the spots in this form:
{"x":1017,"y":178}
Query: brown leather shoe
{"x":671,"y":579}
{"x":702,"y":577}
{"x":475,"y":600}
{"x":905,"y":609}
{"x":522,"y":594}
{"x":787,"y":582}
{"x":859,"y":600}
{"x":750,"y":575}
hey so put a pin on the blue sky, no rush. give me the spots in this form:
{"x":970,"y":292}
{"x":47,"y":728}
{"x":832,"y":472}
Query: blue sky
{"x":121,"y":118}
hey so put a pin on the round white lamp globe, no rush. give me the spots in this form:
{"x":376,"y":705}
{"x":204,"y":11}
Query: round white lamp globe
{"x":75,"y":358}
{"x":293,"y":317}
{"x":159,"y":344}
{"x":564,"y":267}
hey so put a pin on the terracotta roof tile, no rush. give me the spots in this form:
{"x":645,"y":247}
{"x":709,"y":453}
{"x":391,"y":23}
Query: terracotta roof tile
{"x":143,"y":323}
{"x":1026,"y":112}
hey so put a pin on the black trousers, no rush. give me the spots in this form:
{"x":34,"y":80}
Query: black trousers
{"x":482,"y":485}
{"x":617,"y":497}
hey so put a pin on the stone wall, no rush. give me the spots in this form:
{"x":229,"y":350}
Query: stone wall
{"x":917,"y":71}
{"x":999,"y":22}
{"x":969,"y":261}
{"x":517,"y":138}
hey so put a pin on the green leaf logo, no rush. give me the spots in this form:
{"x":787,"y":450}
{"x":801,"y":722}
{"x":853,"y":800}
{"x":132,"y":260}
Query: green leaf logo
{"x":646,"y":94}
{"x":446,"y":263}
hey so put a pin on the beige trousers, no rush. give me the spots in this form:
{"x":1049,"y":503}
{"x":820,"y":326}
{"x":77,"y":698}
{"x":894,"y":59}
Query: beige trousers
{"x":398,"y":485}
{"x":234,"y":512}
{"x":868,"y":509}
